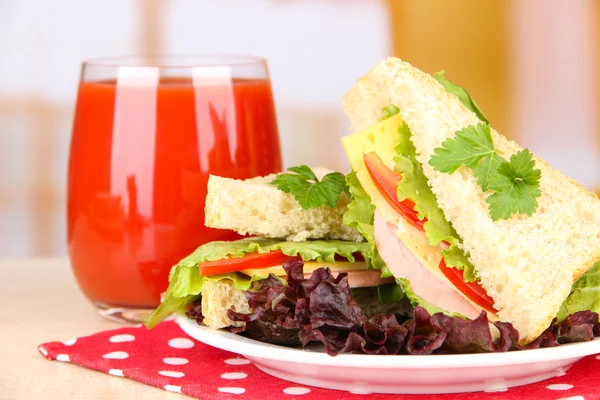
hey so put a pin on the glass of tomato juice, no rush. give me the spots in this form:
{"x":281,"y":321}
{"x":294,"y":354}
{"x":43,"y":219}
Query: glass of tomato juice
{"x":147,"y":134}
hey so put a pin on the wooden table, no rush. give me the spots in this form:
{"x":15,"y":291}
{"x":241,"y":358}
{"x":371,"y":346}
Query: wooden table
{"x":41,"y":302}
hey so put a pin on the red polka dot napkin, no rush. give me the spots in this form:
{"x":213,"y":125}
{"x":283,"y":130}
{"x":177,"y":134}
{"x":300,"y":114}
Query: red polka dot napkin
{"x":166,"y":358}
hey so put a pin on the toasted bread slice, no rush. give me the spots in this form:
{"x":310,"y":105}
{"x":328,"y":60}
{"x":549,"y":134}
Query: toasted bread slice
{"x":526,"y":264}
{"x":254,"y":207}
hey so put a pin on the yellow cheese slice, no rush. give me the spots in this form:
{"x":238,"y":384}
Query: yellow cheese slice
{"x":381,"y":139}
{"x":309,"y":267}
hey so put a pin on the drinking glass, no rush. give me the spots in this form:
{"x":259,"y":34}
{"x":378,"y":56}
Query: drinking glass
{"x":147,"y":134}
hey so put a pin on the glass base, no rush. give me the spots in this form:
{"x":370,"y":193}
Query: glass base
{"x":123,"y":315}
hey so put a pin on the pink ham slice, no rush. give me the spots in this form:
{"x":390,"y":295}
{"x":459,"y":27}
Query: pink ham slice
{"x":358,"y":279}
{"x":403,"y":264}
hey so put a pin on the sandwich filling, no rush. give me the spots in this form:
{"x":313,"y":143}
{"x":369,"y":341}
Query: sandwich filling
{"x":410,"y":232}
{"x":240,"y":264}
{"x":403,"y":263}
{"x":324,"y":309}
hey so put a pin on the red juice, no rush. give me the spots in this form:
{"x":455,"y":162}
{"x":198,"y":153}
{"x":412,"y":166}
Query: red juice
{"x":140,"y":160}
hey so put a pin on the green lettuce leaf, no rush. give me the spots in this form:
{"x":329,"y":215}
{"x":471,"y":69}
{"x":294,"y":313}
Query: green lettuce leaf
{"x":388,"y":293}
{"x":389,"y":111}
{"x":186,"y":285}
{"x":461,"y":93}
{"x":360,"y":215}
{"x":414,"y":187}
{"x":310,"y":250}
{"x":585,"y":294}
{"x":186,"y":282}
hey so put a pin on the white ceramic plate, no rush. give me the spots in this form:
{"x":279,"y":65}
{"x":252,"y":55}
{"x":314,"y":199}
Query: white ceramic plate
{"x":398,"y":374}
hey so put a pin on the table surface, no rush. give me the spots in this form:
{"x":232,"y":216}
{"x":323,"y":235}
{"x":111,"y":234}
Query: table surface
{"x":40,"y":303}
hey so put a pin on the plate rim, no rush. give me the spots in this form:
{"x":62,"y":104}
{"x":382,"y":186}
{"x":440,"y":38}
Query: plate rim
{"x":255,"y":349}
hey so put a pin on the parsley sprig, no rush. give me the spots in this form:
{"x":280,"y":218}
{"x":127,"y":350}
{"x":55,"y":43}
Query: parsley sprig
{"x":515,"y":183}
{"x":308,"y":190}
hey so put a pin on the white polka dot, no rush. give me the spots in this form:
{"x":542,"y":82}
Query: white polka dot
{"x":237,"y":361}
{"x":173,"y":388}
{"x":181,"y":343}
{"x":63,"y":358}
{"x":115,"y":372}
{"x":572,"y":398}
{"x":234,"y":375}
{"x":116,"y":355}
{"x":70,"y":342}
{"x":121,"y":338}
{"x":43,"y":351}
{"x":172,"y":374}
{"x":175,"y":360}
{"x":296,"y":390}
{"x":359,"y":392}
{"x":598,"y":357}
{"x":232,"y":390}
{"x":559,"y":386}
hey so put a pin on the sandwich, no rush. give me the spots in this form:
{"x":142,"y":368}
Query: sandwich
{"x":299,"y":240}
{"x":466,"y":220}
{"x":445,"y":237}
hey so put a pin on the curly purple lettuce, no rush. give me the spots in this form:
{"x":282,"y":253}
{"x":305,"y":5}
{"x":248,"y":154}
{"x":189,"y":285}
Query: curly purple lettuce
{"x":322,"y":309}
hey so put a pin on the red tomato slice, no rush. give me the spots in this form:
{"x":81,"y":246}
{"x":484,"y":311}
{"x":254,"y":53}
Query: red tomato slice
{"x":250,"y":260}
{"x":387,"y":181}
{"x":472,"y":290}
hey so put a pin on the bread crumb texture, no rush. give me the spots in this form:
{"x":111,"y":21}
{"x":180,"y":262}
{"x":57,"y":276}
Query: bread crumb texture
{"x":219,"y":297}
{"x":526,"y":264}
{"x":254,"y":207}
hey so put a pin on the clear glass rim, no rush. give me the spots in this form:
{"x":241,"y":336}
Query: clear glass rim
{"x":166,"y":61}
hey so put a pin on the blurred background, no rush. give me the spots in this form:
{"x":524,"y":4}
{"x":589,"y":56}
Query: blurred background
{"x":532,"y":67}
